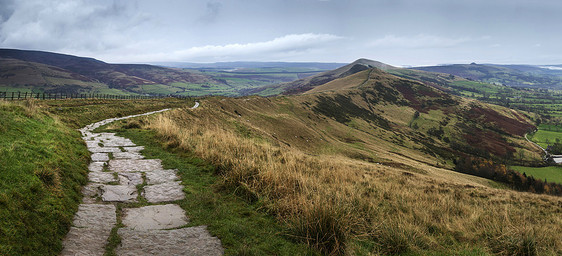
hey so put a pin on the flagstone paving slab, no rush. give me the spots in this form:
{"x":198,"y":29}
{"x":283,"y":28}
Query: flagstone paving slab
{"x":134,"y":165}
{"x":91,"y":227}
{"x":102,"y":177}
{"x":134,"y":149}
{"x":104,"y":149}
{"x":193,"y":241}
{"x":130,"y":178}
{"x":118,"y":143}
{"x":119,"y":193}
{"x":154,"y":217}
{"x":101,"y":216}
{"x":165,"y":192}
{"x":85,"y":242}
{"x":96,"y":166}
{"x":100,"y":157}
{"x":161,"y":176}
{"x":92,"y":144}
{"x":127,"y":155}
{"x":92,"y":190}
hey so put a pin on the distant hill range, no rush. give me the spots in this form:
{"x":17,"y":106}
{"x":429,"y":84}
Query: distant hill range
{"x":38,"y":71}
{"x":250,"y":64}
{"x":53,"y":72}
{"x":510,"y":75}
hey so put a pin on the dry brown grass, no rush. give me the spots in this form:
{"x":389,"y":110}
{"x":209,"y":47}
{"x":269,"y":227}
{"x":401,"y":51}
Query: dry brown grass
{"x":30,"y":106}
{"x":331,"y":201}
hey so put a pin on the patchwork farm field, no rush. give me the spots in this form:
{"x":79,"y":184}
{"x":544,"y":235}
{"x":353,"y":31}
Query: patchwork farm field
{"x":549,"y":173}
{"x":546,"y":135}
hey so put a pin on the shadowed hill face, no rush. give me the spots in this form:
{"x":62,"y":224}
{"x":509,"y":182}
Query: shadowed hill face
{"x":53,"y":66}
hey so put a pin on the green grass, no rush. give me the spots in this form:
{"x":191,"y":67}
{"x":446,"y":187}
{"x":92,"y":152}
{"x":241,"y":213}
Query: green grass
{"x":78,"y":113}
{"x":243,"y":228}
{"x":544,"y":137}
{"x":550,"y":127}
{"x":550,"y":173}
{"x":158,"y":89}
{"x":10,"y":89}
{"x":43,"y":165}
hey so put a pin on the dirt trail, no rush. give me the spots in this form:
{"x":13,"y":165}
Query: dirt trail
{"x":120,"y":174}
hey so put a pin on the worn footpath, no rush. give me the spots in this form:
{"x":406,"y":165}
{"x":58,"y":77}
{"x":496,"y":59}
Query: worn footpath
{"x":119,"y":174}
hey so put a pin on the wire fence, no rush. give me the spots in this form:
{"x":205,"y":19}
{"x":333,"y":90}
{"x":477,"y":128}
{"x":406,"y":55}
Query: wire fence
{"x":60,"y":96}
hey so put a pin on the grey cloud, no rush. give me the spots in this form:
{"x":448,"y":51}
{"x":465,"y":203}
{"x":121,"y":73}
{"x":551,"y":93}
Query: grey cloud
{"x":400,"y":32}
{"x":69,"y":25}
{"x":6,"y":9}
{"x":211,"y":13}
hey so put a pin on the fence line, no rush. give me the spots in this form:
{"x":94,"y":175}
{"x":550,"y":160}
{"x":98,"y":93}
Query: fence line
{"x":59,"y":96}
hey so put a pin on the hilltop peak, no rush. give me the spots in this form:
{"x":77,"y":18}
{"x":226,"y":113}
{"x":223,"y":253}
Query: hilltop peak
{"x":372,"y":64}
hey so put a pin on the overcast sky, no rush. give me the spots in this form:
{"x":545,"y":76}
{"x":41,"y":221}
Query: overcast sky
{"x":397,"y":32}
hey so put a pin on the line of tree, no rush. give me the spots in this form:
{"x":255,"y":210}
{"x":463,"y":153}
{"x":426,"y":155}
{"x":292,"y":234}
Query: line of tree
{"x":499,"y":172}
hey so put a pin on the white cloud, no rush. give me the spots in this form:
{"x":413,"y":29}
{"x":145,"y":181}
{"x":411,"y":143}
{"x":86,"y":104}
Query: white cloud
{"x":551,"y":67}
{"x":293,"y":45}
{"x":418,"y":41}
{"x":290,"y":43}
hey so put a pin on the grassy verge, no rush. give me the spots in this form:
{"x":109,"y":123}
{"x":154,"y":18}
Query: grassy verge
{"x":549,"y":173}
{"x":43,"y":163}
{"x":242,"y":226}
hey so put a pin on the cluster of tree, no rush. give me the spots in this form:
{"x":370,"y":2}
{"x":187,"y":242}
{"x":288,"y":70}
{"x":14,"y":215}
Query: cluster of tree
{"x":499,"y":172}
{"x":555,"y":149}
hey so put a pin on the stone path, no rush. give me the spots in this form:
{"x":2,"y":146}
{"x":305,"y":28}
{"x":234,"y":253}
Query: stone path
{"x":120,"y":174}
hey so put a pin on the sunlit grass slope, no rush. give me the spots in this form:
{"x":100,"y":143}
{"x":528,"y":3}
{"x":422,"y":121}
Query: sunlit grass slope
{"x":353,"y":188}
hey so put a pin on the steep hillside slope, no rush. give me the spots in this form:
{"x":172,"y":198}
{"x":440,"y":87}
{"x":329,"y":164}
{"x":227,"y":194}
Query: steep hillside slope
{"x":434,"y":120}
{"x":367,"y":169}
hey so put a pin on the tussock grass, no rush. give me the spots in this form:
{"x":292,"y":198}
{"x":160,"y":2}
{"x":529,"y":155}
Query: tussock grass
{"x":342,"y":205}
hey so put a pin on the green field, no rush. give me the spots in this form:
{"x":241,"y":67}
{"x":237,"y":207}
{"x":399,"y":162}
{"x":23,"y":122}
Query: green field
{"x":546,"y":135}
{"x":550,"y":173}
{"x":243,"y":81}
